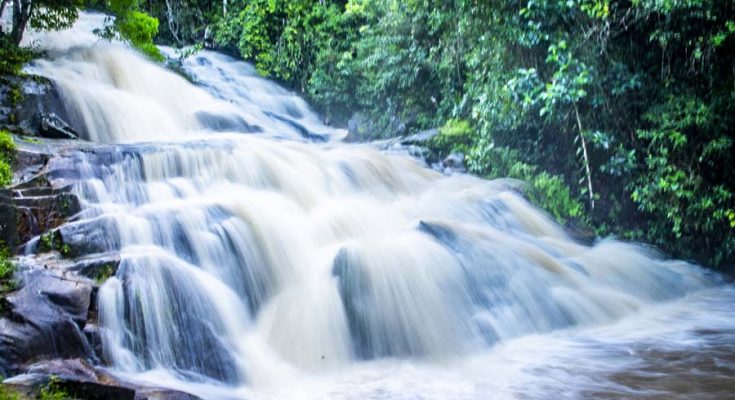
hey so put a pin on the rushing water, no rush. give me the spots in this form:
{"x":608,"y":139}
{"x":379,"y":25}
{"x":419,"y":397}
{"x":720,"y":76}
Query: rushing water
{"x":262,"y":258}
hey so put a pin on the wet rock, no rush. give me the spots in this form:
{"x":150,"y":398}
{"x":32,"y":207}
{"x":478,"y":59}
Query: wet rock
{"x":79,"y":379}
{"x":38,"y":214}
{"x":163,"y":394}
{"x":305,"y":133}
{"x":44,"y":320}
{"x":33,"y":106}
{"x":8,"y":221}
{"x":454,"y":162}
{"x":209,"y":42}
{"x":226,"y":123}
{"x":24,"y":215}
{"x":92,"y":333}
{"x":33,"y":205}
{"x":87,"y":237}
{"x":29,"y":210}
{"x":29,"y":161}
{"x":361,"y":128}
{"x":52,"y":126}
{"x":421,"y":138}
{"x":98,"y":267}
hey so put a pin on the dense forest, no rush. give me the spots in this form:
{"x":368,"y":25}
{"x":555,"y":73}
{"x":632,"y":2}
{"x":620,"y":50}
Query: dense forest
{"x":619,"y":115}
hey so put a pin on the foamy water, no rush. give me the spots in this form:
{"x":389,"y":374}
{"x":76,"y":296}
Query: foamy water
{"x":262,"y":258}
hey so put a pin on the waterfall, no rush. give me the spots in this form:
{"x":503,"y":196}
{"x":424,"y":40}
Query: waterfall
{"x":255,"y":245}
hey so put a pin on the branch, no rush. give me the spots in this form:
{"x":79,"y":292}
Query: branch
{"x":586,"y":158}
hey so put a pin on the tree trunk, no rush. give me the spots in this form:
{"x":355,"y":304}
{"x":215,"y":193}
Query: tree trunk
{"x":21,"y":13}
{"x":2,"y":10}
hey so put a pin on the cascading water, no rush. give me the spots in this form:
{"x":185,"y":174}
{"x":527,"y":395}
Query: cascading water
{"x":262,"y":258}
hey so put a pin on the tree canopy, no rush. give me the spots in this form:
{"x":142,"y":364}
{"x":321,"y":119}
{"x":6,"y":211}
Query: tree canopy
{"x":618,"y":113}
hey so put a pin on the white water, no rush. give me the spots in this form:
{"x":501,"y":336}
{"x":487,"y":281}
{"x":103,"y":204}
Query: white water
{"x":265,"y":265}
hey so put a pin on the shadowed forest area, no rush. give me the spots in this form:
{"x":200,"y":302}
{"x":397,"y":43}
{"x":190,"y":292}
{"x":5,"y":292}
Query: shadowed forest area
{"x":618,"y":114}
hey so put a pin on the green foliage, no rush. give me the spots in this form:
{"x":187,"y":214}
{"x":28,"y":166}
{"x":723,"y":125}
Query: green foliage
{"x":12,"y":57}
{"x":8,"y":394}
{"x":281,"y":37}
{"x":31,"y":139}
{"x":41,"y":15}
{"x":52,"y":240}
{"x":617,"y":110}
{"x":55,"y":15}
{"x":7,"y":158}
{"x":14,"y":95}
{"x":550,"y":192}
{"x":139,"y":29}
{"x":134,"y":26}
{"x":455,"y":136}
{"x":53,"y":391}
{"x":7,"y":271}
{"x":104,"y":273}
{"x":675,"y":185}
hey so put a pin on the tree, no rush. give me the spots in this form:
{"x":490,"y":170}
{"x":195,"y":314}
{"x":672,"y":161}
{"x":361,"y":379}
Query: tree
{"x":40,"y":14}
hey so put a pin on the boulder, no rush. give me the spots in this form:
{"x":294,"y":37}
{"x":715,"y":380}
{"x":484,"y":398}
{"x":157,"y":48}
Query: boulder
{"x":52,"y":126}
{"x":33,"y":206}
{"x":98,"y":267}
{"x":421,"y":138}
{"x":35,"y":107}
{"x":454,"y":162}
{"x":78,"y":378}
{"x":44,"y":320}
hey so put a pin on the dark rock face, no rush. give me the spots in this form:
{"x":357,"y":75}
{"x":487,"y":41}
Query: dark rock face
{"x":44,"y":320}
{"x":52,"y":126}
{"x":33,"y":206}
{"x":97,"y":266}
{"x":226,"y":123}
{"x":305,"y":133}
{"x":33,"y":106}
{"x":78,"y":378}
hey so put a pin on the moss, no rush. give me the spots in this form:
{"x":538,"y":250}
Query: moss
{"x":65,"y":250}
{"x":104,"y":273}
{"x":53,"y":391}
{"x":32,"y":140}
{"x":52,"y":240}
{"x":7,"y":158}
{"x":7,"y":271}
{"x":15,"y":95}
{"x":455,"y":136}
{"x":47,"y":241}
{"x":7,"y":393}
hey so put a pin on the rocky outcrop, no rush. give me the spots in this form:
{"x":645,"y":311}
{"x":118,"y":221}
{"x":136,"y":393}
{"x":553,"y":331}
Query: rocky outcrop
{"x":33,"y":106}
{"x":78,"y":378}
{"x":33,"y":206}
{"x":454,"y":162}
{"x":44,"y":320}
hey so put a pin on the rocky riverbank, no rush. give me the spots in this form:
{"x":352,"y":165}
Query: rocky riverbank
{"x":49,"y":337}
